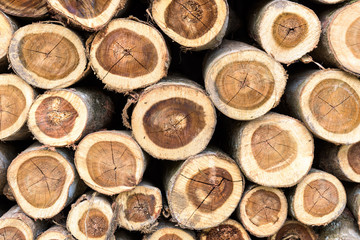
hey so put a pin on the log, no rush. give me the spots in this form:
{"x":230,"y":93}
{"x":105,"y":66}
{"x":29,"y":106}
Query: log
{"x":343,"y":161}
{"x":7,"y":154}
{"x":8,"y":192}
{"x":262,"y":210}
{"x":129,"y":54}
{"x":285,"y":29}
{"x":328,"y":102}
{"x":274,"y":150}
{"x":353,"y":203}
{"x":85,"y":14}
{"x":62,"y":117}
{"x":8,"y":27}
{"x":16,"y":98}
{"x":318,"y":199}
{"x":56,"y":232}
{"x":167,"y":231}
{"x":15,"y":224}
{"x":244,"y":82}
{"x":294,"y":230}
{"x":204,"y":191}
{"x":339,"y":43}
{"x":139,"y":208}
{"x":195,"y":25}
{"x":44,"y":180}
{"x":91,"y":217}
{"x":343,"y":227}
{"x":122,"y":161}
{"x":228,"y":230}
{"x":47,"y":55}
{"x":24,"y":8}
{"x":329,"y":1}
{"x":173,"y":119}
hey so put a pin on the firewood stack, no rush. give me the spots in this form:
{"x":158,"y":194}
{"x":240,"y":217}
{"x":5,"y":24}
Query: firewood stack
{"x":179,"y":119}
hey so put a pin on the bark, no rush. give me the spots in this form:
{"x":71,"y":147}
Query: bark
{"x":55,"y":232}
{"x":353,"y":203}
{"x":24,"y":8}
{"x":7,"y":154}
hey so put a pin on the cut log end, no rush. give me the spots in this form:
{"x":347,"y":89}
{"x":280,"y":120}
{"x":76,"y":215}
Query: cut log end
{"x":24,"y":8}
{"x":55,"y":233}
{"x":293,"y":230}
{"x":7,"y":28}
{"x":128,"y":54}
{"x":263,"y":211}
{"x":228,"y":230}
{"x":47,"y":55}
{"x":170,"y":233}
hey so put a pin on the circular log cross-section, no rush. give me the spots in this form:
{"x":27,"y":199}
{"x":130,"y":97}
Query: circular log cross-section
{"x":42,"y":181}
{"x":139,"y":208}
{"x":110,"y":162}
{"x":24,"y":8}
{"x":318,"y":199}
{"x":91,"y":15}
{"x":62,"y":117}
{"x":16,"y":97}
{"x":194,"y":24}
{"x":47,"y":55}
{"x":328,"y":102}
{"x":228,"y":230}
{"x":129,"y":54}
{"x":243,"y":81}
{"x":7,"y":29}
{"x":263,"y":210}
{"x":206,"y":185}
{"x":294,"y":230}
{"x":173,"y":120}
{"x":56,"y":232}
{"x":170,"y":233}
{"x":91,"y":218}
{"x":274,"y":150}
{"x":285,"y":29}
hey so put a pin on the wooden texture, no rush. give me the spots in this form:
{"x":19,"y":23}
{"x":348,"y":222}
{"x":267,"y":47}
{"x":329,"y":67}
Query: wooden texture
{"x":55,"y":232}
{"x":353,"y":203}
{"x":167,"y":231}
{"x":294,"y":230}
{"x":228,"y":230}
{"x":7,"y":29}
{"x":24,"y":8}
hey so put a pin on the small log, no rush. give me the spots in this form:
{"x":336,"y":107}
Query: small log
{"x":274,"y":150}
{"x":85,"y":14}
{"x":285,"y":29}
{"x":47,"y":55}
{"x":16,"y":98}
{"x":263,"y":210}
{"x":195,"y":24}
{"x":91,"y":217}
{"x":8,"y":192}
{"x":167,"y":231}
{"x":43,"y":181}
{"x":318,"y":199}
{"x":328,"y":102}
{"x":8,"y":27}
{"x":62,"y":117}
{"x":24,"y":8}
{"x":353,"y":203}
{"x":228,"y":230}
{"x":173,"y":119}
{"x":294,"y":230}
{"x":16,"y":224}
{"x":342,"y":161}
{"x":56,"y":232}
{"x":204,"y":186}
{"x":7,"y":154}
{"x":129,"y":54}
{"x":243,"y":82}
{"x":122,"y":161}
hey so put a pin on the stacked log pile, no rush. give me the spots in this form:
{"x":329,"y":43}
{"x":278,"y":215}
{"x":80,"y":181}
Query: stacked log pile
{"x":179,"y":119}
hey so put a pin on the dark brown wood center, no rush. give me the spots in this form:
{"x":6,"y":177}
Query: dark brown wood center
{"x":140,"y":207}
{"x":224,"y":232}
{"x":93,"y":223}
{"x":354,"y":157}
{"x":85,"y":8}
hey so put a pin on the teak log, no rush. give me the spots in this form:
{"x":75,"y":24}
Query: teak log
{"x":43,"y":181}
{"x":47,"y":55}
{"x":173,"y":119}
{"x":62,"y":117}
{"x":353,"y":203}
{"x":8,"y":27}
{"x":7,"y":154}
{"x":56,"y":232}
{"x":110,"y":162}
{"x":129,"y":54}
{"x":328,"y":102}
{"x":243,"y":82}
{"x":196,"y":24}
{"x":167,"y":231}
{"x":228,"y":230}
{"x":274,"y":150}
{"x":318,"y":199}
{"x":24,"y":8}
{"x":262,"y":210}
{"x":286,"y":30}
{"x":294,"y":230}
{"x":204,"y":191}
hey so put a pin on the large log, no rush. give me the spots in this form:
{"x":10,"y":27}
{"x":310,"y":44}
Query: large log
{"x":62,"y":117}
{"x":129,"y":54}
{"x":294,"y":230}
{"x":24,"y":8}
{"x":173,"y":119}
{"x":47,"y":55}
{"x":7,"y":27}
{"x":228,"y":230}
{"x":243,"y":82}
{"x":56,"y":232}
{"x":353,"y":203}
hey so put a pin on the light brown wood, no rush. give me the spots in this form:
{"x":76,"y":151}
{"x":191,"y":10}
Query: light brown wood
{"x":353,"y":203}
{"x":56,"y":232}
{"x":62,"y":117}
{"x":168,"y":231}
{"x":228,"y":230}
{"x":328,"y":1}
{"x":243,"y":82}
{"x":173,"y":119}
{"x":7,"y":154}
{"x":318,"y":199}
{"x":24,"y":8}
{"x":294,"y":230}
{"x":43,"y":181}
{"x":129,"y":54}
{"x":47,"y":55}
{"x":7,"y":29}
{"x":204,"y":186}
